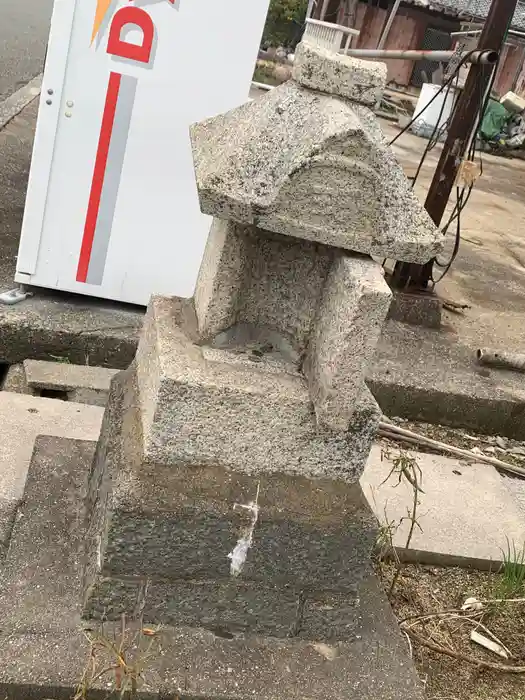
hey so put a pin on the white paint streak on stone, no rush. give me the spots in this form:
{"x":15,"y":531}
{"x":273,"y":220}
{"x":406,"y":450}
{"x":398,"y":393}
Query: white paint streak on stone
{"x":239,"y":553}
{"x":99,"y":553}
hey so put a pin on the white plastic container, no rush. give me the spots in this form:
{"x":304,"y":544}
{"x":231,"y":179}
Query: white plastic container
{"x":513,"y":103}
{"x":429,"y":112}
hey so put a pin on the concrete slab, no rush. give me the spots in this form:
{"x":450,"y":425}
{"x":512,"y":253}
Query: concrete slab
{"x":63,"y":376}
{"x":428,"y":375}
{"x":15,"y":380}
{"x":466,"y":512}
{"x":24,"y":417}
{"x":44,"y":651}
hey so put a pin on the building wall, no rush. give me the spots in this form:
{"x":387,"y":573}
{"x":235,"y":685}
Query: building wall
{"x":407,"y":32}
{"x":520,"y":81}
{"x":509,"y":69}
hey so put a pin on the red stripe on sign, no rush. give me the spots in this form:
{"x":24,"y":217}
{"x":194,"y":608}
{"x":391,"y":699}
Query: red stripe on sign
{"x":99,"y":172}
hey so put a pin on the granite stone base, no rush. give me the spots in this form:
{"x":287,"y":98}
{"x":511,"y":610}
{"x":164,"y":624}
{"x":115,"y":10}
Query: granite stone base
{"x":45,"y":651}
{"x":166,"y":524}
{"x":224,"y":407}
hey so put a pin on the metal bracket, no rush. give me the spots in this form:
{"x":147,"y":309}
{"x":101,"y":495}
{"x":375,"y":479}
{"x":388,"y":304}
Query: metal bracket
{"x":13,"y":296}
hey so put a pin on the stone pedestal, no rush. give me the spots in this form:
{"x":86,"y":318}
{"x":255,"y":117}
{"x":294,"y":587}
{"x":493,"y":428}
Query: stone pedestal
{"x":225,"y":493}
{"x":421,"y":309}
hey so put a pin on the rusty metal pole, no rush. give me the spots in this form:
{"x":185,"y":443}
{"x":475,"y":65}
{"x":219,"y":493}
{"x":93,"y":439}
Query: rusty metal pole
{"x":464,"y":120}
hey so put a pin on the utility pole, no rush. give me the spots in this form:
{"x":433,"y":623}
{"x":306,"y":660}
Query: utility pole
{"x":464,"y":121}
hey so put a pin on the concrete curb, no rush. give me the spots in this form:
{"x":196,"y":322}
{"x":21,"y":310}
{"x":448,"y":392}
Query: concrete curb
{"x":426,"y":375}
{"x":16,"y":102}
{"x":103,"y":347}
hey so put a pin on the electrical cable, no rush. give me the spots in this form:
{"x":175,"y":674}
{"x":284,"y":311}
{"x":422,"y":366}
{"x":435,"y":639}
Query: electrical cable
{"x":460,"y":205}
{"x":445,"y":85}
{"x":461,"y":198}
{"x":434,"y":136}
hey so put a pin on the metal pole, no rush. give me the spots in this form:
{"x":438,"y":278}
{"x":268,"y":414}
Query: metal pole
{"x":388,"y":25}
{"x":464,"y":118}
{"x":417,"y":55}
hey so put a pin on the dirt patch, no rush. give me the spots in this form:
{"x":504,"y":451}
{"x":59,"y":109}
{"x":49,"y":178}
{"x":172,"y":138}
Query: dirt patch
{"x":427,"y":591}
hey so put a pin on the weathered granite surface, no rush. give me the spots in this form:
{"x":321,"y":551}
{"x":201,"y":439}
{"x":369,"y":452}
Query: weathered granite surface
{"x":349,"y":319}
{"x":168,"y":521}
{"x":230,"y":608}
{"x":45,"y":651}
{"x":312,"y":166}
{"x":359,"y":81}
{"x":221,"y":277}
{"x":218,"y":410}
{"x":264,"y":279}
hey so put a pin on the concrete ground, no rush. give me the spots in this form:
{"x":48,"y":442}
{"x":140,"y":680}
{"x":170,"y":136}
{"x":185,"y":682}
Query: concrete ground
{"x":448,"y":533}
{"x":24,"y":29}
{"x":489,"y":272}
{"x":489,"y":275}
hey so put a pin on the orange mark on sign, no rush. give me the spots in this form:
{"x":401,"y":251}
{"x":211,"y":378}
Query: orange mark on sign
{"x":100,"y":13}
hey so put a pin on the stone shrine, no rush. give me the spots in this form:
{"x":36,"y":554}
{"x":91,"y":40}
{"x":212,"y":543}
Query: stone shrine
{"x":224,"y":499}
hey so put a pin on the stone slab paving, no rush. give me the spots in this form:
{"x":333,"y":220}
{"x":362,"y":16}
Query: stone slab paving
{"x":65,"y":376}
{"x":517,"y":487}
{"x":79,"y":383}
{"x":466,"y":512}
{"x":22,"y":418}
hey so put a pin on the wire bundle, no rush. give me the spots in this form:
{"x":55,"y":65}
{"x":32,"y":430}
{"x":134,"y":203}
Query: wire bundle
{"x":462,"y":193}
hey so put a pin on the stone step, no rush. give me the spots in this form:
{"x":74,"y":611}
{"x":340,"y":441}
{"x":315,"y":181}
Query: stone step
{"x":79,"y":383}
{"x":22,"y":418}
{"x":43,"y":646}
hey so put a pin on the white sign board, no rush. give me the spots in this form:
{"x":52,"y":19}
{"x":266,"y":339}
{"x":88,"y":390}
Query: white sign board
{"x":112,"y":208}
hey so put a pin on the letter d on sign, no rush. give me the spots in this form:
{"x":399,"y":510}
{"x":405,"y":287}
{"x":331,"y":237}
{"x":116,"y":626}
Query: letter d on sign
{"x":139,"y":18}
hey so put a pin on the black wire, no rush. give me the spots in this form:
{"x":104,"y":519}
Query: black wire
{"x":461,"y":199}
{"x":434,"y":136}
{"x":460,"y":207}
{"x":445,"y":85}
